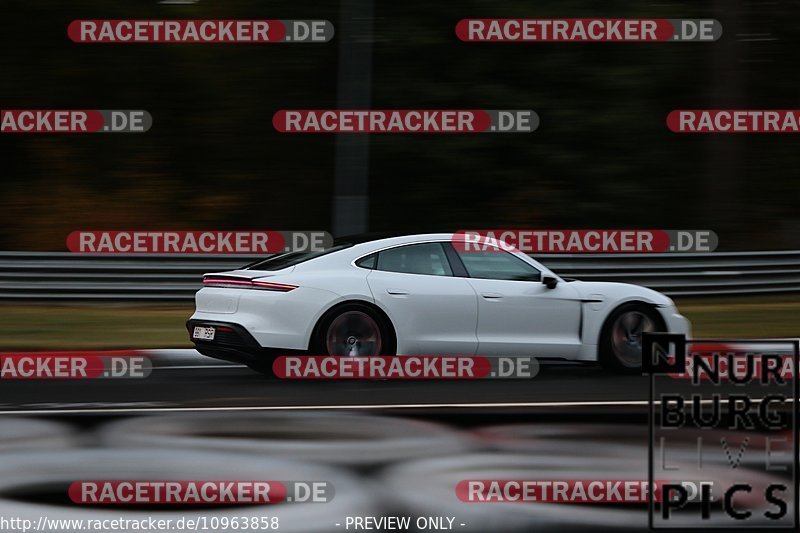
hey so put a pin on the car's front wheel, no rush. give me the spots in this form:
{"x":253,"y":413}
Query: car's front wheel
{"x":621,"y":337}
{"x":353,"y":330}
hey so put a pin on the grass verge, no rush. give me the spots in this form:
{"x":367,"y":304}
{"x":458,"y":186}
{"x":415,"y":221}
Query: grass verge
{"x":50,"y":327}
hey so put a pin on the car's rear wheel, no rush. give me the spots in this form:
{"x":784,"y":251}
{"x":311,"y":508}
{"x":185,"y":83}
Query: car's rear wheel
{"x":621,"y":337}
{"x":353,"y":330}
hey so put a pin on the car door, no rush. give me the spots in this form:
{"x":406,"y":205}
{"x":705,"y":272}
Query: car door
{"x":433,"y":312}
{"x":517,"y":313}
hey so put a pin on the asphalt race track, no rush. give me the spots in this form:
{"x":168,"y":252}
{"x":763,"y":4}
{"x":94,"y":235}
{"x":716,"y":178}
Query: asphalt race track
{"x":184,"y":379}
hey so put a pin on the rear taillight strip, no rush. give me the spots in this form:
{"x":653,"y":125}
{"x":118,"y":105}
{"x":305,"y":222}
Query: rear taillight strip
{"x":227,"y":281}
{"x":238,"y":283}
{"x":269,"y":286}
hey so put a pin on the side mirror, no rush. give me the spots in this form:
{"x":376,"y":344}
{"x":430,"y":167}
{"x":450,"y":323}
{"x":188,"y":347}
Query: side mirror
{"x":550,"y":282}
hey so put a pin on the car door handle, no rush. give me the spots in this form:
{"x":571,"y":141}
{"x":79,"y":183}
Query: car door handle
{"x":398,"y":292}
{"x":491,"y":295}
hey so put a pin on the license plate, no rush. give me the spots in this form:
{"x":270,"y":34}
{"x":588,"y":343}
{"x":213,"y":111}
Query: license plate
{"x":206,"y":334}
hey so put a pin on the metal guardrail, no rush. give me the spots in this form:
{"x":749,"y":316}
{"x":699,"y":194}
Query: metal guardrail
{"x":31,"y":276}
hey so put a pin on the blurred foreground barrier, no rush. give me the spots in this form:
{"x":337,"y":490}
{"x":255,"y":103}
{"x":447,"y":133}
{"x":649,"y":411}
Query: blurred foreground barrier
{"x":30,"y":434}
{"x":132,"y":277}
{"x":324,"y":437}
{"x":623,"y":441}
{"x":35,"y":485}
{"x":440,"y":486}
{"x":620,"y":440}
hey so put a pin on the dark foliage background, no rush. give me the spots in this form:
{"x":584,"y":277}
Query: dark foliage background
{"x":602,"y":156}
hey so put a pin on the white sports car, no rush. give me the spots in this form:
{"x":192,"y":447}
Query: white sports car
{"x":422,"y":294}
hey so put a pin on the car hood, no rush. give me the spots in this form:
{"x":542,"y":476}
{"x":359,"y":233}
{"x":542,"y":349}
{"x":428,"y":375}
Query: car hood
{"x":605,"y":290}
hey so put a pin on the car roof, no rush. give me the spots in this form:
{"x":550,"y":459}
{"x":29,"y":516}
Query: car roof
{"x":374,"y":236}
{"x":361,"y":238}
{"x":366,"y":243}
{"x":389,"y":240}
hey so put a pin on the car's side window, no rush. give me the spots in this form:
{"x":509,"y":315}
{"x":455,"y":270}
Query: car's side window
{"x":427,"y":258}
{"x":498,"y":264}
{"x":368,"y":261}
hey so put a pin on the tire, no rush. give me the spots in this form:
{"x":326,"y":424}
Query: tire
{"x":353,"y":329}
{"x":620,"y":338}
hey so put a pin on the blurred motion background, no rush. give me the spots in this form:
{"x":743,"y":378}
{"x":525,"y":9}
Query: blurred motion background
{"x":602,"y":156}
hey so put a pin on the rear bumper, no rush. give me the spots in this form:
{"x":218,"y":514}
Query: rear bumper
{"x":232,"y":342}
{"x":273,"y":319}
